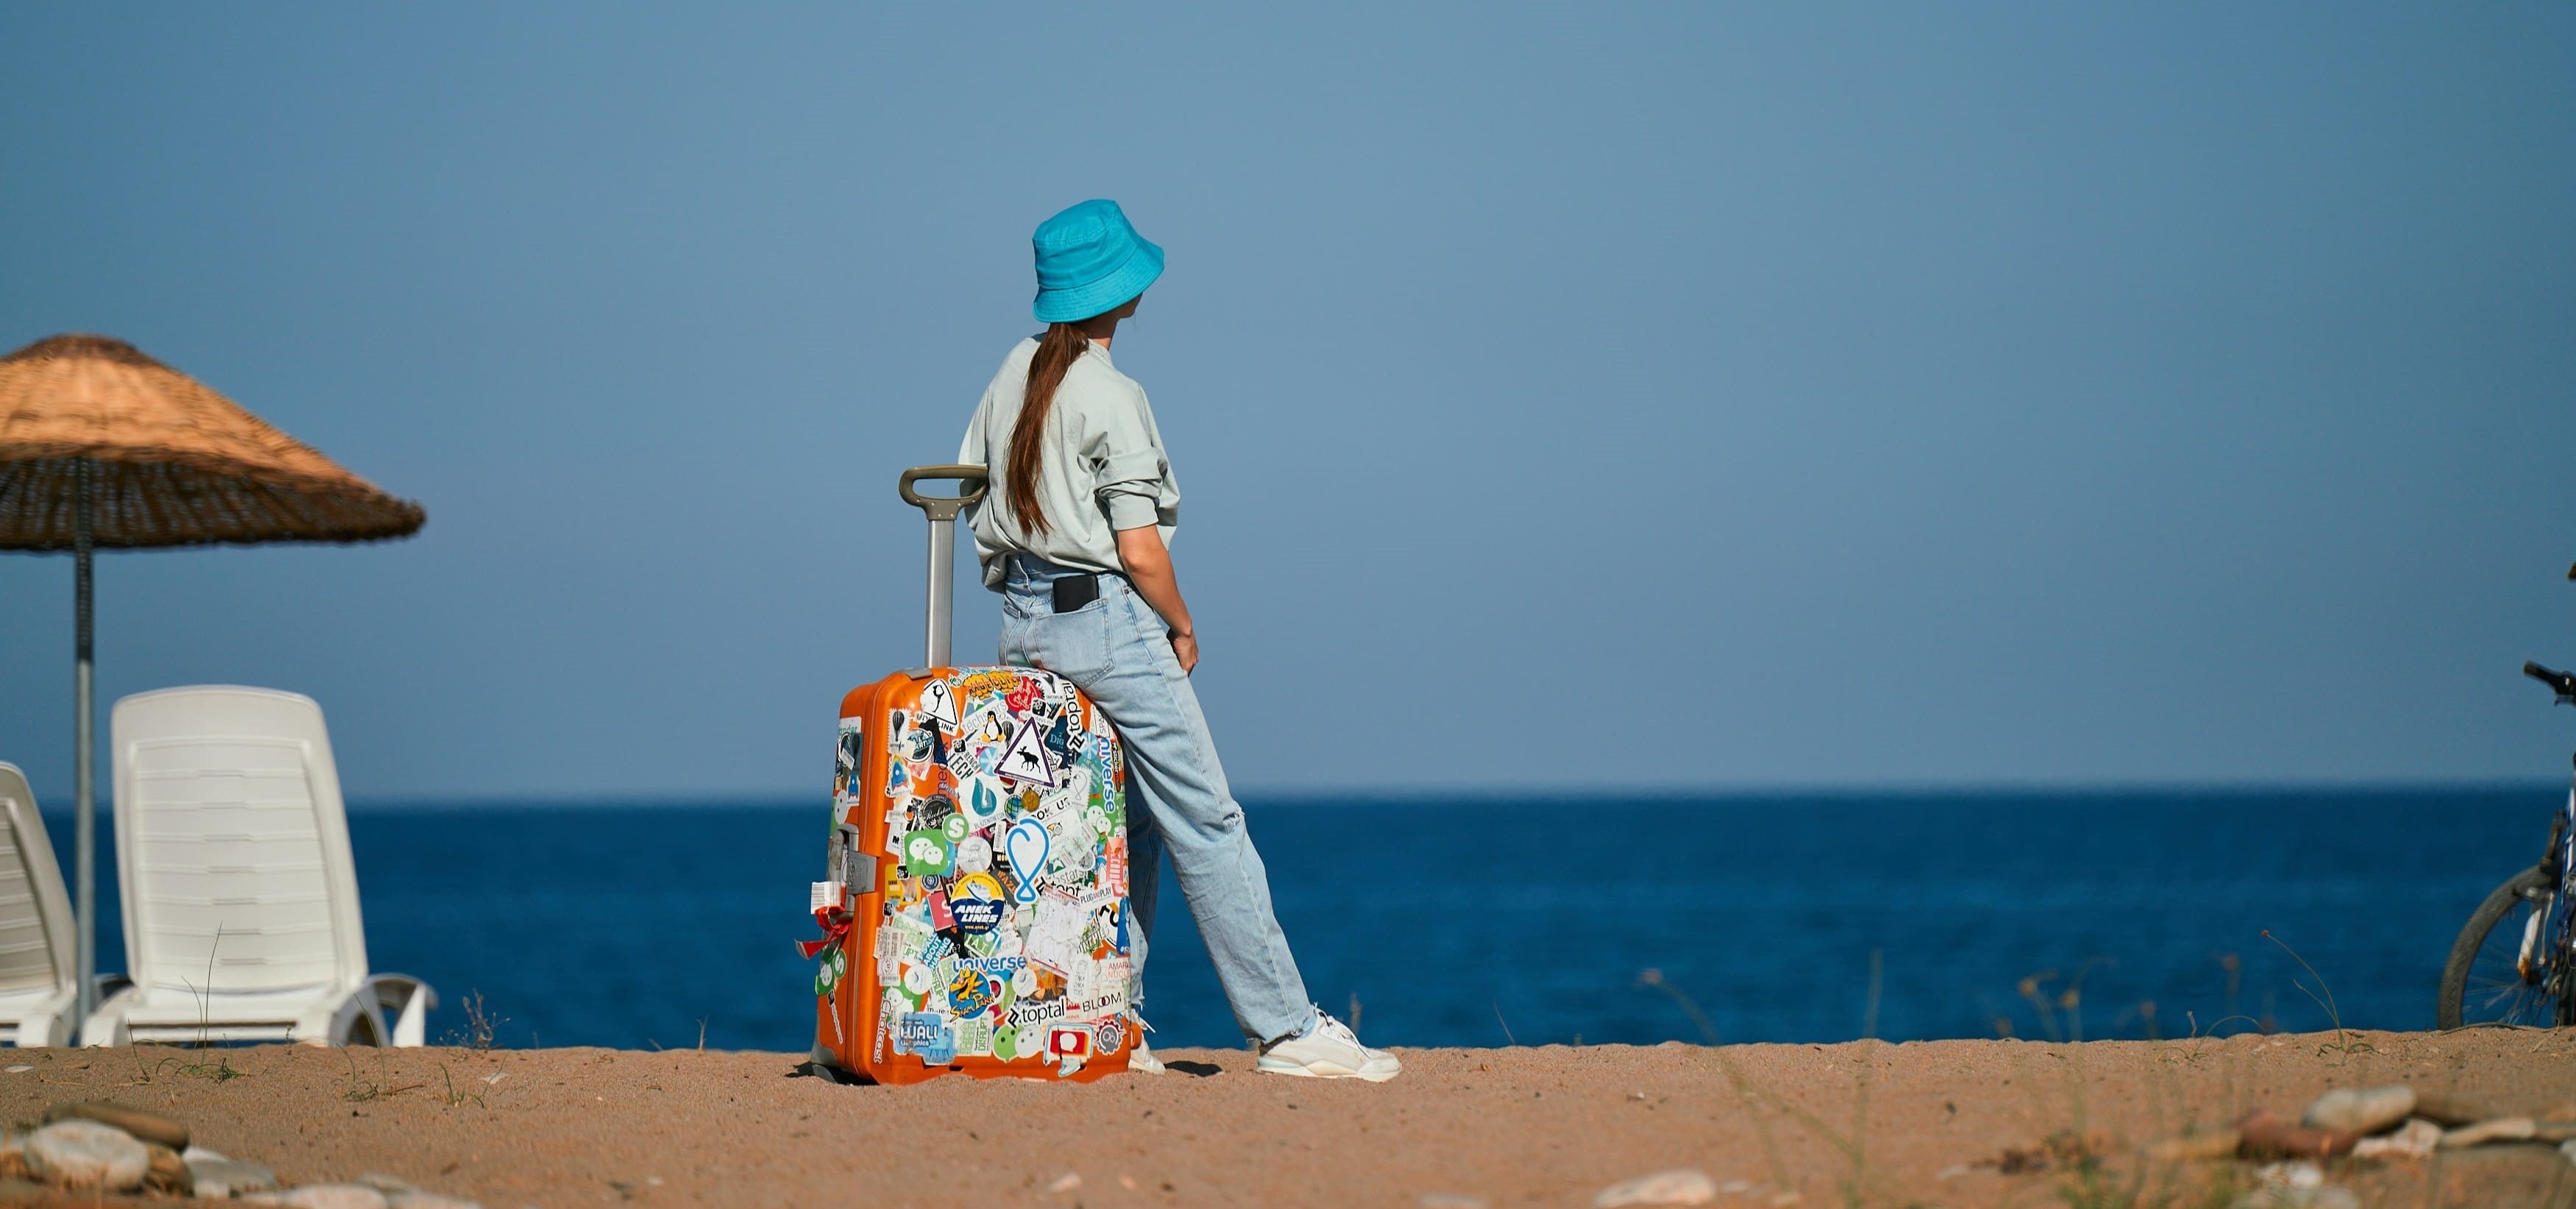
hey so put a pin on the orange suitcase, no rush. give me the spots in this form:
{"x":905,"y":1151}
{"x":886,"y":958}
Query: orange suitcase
{"x":974,"y":909}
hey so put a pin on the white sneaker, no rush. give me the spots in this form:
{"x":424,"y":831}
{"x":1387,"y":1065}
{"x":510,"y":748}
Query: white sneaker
{"x":1328,"y":1051}
{"x":1141,"y":1059}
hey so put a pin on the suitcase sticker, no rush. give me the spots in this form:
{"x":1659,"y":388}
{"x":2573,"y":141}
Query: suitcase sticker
{"x":978,"y":918}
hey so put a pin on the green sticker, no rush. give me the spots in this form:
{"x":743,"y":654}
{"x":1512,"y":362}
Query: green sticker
{"x":925,"y":853}
{"x":955,"y":827}
{"x":1006,"y":1043}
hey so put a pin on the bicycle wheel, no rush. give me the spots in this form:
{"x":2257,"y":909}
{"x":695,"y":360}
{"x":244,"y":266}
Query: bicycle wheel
{"x":2488,"y":979}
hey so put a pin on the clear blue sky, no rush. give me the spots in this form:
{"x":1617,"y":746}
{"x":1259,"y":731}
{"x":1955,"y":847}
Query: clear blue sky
{"x":1680,"y":397}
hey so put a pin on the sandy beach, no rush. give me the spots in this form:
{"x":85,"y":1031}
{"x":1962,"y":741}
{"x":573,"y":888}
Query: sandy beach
{"x":1939,"y":1123}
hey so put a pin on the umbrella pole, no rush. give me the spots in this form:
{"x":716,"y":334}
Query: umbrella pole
{"x":84,"y":790}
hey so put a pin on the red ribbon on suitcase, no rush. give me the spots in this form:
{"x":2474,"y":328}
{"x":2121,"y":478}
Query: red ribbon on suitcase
{"x":832,"y":932}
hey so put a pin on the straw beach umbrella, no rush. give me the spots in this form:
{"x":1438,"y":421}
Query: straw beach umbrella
{"x":102,"y":447}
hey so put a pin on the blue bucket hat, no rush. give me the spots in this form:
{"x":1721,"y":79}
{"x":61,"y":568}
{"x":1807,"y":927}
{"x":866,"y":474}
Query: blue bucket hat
{"x":1090,"y":261}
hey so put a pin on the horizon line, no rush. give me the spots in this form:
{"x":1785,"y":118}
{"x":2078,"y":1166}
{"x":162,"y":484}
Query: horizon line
{"x":1455,"y":794}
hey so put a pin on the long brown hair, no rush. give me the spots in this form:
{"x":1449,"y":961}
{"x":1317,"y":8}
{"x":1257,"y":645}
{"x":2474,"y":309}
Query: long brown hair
{"x":1056,"y":352}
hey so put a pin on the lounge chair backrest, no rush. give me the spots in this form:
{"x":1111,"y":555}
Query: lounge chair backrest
{"x":232,"y":842}
{"x":37,"y":936}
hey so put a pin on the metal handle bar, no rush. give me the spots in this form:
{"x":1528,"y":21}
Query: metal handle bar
{"x":970,"y":484}
{"x":942,"y":511}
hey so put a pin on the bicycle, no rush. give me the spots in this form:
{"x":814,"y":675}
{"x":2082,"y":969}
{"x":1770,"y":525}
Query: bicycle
{"x":2515,"y":961}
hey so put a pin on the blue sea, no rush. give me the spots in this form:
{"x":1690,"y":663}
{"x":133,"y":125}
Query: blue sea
{"x":1482,"y":922}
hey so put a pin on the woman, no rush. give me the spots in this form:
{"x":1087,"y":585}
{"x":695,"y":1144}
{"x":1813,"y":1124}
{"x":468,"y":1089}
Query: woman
{"x":1072,"y":530}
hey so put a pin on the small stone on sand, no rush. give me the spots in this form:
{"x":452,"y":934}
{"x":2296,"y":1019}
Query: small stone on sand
{"x":2297,"y":1186}
{"x":86,"y":1154}
{"x":168,"y":1172}
{"x":220,"y":1177}
{"x":143,"y":1126}
{"x":2502,"y":1129}
{"x":2364,"y":1111}
{"x":323,"y":1196}
{"x":2196,"y":1147}
{"x":1067,"y":1182}
{"x":1681,"y":1186}
{"x":2413,"y":1140}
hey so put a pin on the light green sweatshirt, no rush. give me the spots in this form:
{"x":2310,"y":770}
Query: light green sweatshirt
{"x":1104,"y":468}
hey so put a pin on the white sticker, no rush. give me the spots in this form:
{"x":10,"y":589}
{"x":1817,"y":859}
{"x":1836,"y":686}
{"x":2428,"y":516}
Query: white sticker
{"x":919,"y":979}
{"x":1056,"y":940}
{"x":939,"y":701}
{"x":826,"y":894}
{"x":974,"y":855}
{"x":984,"y":797}
{"x":987,"y":727}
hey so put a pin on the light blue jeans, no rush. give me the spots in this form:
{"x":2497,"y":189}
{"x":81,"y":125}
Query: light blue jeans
{"x":1116,"y":650}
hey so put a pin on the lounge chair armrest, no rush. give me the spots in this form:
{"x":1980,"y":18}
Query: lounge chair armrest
{"x":407,"y":1002}
{"x":106,"y":1024}
{"x":47,"y":1023}
{"x":346,"y":1015}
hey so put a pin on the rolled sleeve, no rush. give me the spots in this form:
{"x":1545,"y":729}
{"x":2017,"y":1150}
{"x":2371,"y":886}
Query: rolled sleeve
{"x":1129,"y":485}
{"x":1128,"y":466}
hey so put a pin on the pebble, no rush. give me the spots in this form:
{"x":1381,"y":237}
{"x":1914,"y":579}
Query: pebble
{"x":221,"y":1177}
{"x":417,"y":1199}
{"x":2197,"y":1147}
{"x":2502,"y":1129}
{"x":2413,"y":1140}
{"x":86,"y":1154}
{"x":167,"y":1172}
{"x":2297,"y":1186}
{"x":2364,"y":1111}
{"x":1681,"y":1186}
{"x":323,"y":1196}
{"x":143,"y":1126}
{"x":1067,"y":1182}
{"x":2451,"y":1110}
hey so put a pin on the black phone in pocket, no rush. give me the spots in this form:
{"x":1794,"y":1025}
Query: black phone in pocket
{"x":1074,"y":591}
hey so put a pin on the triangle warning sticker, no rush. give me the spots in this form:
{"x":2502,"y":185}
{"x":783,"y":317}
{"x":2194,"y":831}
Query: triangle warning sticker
{"x":1026,"y":758}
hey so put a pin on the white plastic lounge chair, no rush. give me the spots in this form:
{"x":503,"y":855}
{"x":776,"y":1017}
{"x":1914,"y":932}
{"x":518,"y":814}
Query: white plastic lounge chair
{"x":38,"y":944}
{"x":241,"y":900}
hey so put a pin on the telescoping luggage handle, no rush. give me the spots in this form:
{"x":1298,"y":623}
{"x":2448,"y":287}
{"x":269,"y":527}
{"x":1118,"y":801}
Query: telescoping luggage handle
{"x":942,"y":511}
